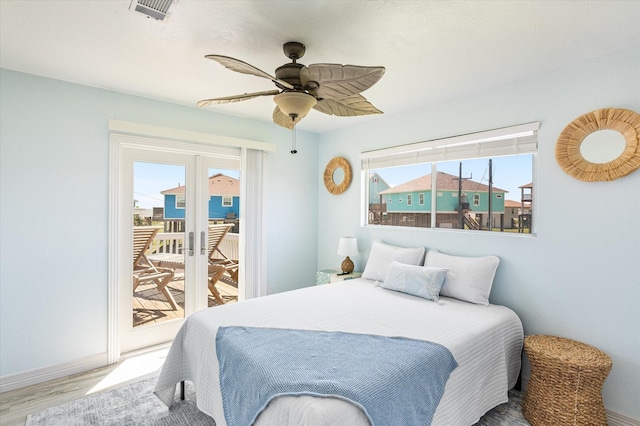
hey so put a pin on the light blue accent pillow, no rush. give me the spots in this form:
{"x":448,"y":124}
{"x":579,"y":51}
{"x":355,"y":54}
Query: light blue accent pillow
{"x":421,"y":281}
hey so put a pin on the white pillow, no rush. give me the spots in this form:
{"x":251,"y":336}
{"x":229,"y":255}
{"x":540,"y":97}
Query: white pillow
{"x":421,"y":281}
{"x":382,"y":255}
{"x":468,"y":278}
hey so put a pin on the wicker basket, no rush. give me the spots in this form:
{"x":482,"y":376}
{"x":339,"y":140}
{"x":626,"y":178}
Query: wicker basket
{"x":565,"y":387}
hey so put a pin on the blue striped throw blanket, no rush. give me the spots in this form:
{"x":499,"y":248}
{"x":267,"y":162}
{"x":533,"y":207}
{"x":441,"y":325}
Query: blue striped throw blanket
{"x":394,"y":380}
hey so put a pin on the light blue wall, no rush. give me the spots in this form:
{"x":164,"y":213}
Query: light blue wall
{"x":580,"y":277}
{"x":54,"y":195}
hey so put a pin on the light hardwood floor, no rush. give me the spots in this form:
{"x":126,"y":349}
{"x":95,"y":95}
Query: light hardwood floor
{"x":16,"y":405}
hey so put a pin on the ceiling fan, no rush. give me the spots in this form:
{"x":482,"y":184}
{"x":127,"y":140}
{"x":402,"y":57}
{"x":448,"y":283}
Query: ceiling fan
{"x":332,"y":89}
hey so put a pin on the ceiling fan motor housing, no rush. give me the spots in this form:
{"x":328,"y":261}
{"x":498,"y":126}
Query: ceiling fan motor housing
{"x":290,"y":73}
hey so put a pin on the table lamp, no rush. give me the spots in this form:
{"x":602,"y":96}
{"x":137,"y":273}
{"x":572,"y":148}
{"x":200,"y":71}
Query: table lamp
{"x":348,"y":246}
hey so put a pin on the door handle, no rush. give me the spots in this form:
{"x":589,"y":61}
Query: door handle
{"x":191,"y":238}
{"x":203,"y":244}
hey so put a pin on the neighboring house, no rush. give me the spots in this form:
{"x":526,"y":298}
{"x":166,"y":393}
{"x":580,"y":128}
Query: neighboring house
{"x":376,"y":185}
{"x":376,"y":202}
{"x":409,"y":204}
{"x":512,"y":211}
{"x":224,"y":200}
{"x":526,"y":204}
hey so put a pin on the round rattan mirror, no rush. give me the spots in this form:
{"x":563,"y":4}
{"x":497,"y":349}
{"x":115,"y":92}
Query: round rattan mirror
{"x":337,"y":168}
{"x":571,"y":157}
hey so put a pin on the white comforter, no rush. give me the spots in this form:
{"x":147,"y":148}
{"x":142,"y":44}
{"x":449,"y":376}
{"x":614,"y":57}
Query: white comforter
{"x":486,"y":341}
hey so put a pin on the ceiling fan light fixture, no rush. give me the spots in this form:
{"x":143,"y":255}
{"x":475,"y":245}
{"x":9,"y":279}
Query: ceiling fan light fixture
{"x":295,"y":104}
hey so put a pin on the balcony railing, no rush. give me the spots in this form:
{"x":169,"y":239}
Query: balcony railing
{"x":174,"y":242}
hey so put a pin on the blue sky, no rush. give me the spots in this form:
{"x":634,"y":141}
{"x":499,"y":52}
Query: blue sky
{"x":151,"y":178}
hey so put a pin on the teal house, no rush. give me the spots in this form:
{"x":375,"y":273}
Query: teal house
{"x":410,"y":204}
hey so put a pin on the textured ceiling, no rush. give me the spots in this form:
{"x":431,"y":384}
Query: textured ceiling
{"x":432,"y":50}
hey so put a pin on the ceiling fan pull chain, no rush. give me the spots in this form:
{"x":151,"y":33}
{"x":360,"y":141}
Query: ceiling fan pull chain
{"x":293,"y":141}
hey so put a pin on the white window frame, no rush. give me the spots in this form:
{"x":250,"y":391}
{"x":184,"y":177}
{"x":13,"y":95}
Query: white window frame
{"x":507,"y":141}
{"x":227,"y":201}
{"x":476,"y":200}
{"x":409,"y":199}
{"x":181,"y":201}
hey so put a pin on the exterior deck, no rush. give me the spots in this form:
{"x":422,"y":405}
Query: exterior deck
{"x":150,"y":306}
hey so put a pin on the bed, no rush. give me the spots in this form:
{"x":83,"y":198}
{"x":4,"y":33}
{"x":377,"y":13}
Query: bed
{"x":485,"y":340}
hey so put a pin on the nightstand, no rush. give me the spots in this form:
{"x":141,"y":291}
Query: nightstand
{"x":326,"y":276}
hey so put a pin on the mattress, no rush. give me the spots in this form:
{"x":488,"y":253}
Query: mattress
{"x":486,"y":341}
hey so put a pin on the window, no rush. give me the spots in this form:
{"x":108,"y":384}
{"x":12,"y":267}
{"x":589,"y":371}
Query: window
{"x":227,"y":201}
{"x":181,"y":201}
{"x":473,"y":176}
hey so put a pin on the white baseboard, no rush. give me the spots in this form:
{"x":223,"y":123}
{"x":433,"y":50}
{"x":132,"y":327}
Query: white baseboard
{"x":40,"y":375}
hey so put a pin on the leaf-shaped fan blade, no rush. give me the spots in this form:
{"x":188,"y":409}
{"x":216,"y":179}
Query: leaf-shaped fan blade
{"x":236,"y":98}
{"x":281,"y":119}
{"x":339,"y":81}
{"x":348,"y":107}
{"x":240,"y":66}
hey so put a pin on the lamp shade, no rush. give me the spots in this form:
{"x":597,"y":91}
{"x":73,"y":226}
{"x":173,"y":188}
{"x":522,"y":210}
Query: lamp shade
{"x":295,"y":103}
{"x":348,"y":246}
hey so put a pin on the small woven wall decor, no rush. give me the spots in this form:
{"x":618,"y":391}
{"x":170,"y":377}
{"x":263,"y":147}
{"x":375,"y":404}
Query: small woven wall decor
{"x":334,"y":164}
{"x":568,"y":153}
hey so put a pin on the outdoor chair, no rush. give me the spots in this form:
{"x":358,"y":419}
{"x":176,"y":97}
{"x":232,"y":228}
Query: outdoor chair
{"x":143,"y":270}
{"x":219,"y":265}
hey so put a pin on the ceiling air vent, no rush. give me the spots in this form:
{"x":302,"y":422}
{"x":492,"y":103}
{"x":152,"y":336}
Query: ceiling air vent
{"x":156,"y":9}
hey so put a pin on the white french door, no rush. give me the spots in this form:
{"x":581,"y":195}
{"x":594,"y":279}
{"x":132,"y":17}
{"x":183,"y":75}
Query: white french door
{"x":193,"y":155}
{"x":147,"y":315}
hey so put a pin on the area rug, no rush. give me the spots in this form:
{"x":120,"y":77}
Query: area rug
{"x":135,"y":404}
